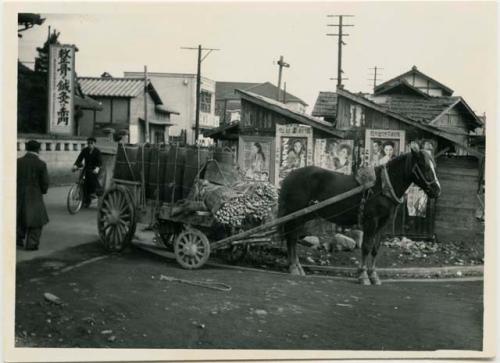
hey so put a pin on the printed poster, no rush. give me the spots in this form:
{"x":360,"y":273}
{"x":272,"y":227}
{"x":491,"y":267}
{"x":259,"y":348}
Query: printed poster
{"x":294,"y":149}
{"x":334,"y":154}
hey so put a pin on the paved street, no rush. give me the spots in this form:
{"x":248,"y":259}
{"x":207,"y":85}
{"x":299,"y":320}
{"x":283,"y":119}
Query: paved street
{"x":123,"y":301}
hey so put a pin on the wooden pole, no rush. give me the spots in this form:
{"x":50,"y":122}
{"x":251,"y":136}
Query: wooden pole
{"x":146,"y":136}
{"x":339,"y":61}
{"x":289,"y":217}
{"x":198,"y":87}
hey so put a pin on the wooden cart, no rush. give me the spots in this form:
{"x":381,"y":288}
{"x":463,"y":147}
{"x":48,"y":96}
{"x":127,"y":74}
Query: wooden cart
{"x":192,"y":232}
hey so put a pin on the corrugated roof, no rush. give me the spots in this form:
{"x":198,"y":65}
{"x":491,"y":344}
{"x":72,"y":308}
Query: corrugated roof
{"x":226,"y":90}
{"x":326,"y":105}
{"x":111,"y":87}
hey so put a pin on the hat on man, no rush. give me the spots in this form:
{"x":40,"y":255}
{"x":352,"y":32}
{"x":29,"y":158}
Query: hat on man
{"x":33,"y":146}
{"x":91,"y":138}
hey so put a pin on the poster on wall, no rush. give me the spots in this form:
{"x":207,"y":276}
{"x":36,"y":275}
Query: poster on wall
{"x":61,"y":89}
{"x":383,"y":145}
{"x":334,"y":154}
{"x":255,"y":157}
{"x":294,"y":149}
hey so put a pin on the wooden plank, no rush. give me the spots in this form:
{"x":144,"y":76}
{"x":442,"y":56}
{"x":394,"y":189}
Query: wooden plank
{"x":293,"y":215}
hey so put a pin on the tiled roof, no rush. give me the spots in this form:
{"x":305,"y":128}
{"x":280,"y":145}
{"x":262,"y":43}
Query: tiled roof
{"x":422,"y":110}
{"x":326,"y":105}
{"x":448,"y":91}
{"x":111,"y":87}
{"x":226,"y":90}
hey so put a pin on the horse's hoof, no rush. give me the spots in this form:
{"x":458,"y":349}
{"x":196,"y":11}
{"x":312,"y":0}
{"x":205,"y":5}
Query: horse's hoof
{"x":364,"y":281}
{"x":297,"y":270}
{"x":374,"y":279}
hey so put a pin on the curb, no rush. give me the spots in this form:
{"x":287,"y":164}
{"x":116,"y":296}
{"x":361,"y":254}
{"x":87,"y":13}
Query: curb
{"x":346,"y":273}
{"x":422,"y":272}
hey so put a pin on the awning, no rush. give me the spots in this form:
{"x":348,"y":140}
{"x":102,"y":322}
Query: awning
{"x":157,"y":122}
{"x":164,"y":109}
{"x":87,"y":103}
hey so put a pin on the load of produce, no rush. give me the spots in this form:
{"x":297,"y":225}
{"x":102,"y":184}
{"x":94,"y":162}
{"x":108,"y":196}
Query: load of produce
{"x":242,"y":204}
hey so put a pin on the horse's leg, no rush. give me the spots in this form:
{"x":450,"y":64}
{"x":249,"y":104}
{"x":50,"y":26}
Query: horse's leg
{"x":366,"y":247}
{"x":293,"y":260}
{"x":372,"y":273}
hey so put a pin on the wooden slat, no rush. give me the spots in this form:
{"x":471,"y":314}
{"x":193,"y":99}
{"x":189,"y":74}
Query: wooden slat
{"x":293,"y":215}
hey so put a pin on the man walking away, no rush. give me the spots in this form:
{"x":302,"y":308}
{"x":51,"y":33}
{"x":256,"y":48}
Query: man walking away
{"x":91,"y":156}
{"x":32,"y":183}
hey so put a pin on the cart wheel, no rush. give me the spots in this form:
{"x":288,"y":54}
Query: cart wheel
{"x":116,"y":219}
{"x":191,"y":248}
{"x":74,"y":200}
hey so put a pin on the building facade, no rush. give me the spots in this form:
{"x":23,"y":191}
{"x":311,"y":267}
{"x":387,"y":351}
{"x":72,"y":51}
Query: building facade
{"x":228,"y":101}
{"x":179,"y":91}
{"x":122,"y":101}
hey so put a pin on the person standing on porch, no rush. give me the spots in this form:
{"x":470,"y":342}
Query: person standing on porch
{"x":32,"y":183}
{"x":92,"y":161}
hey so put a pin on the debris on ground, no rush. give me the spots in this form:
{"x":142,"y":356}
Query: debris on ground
{"x":52,"y":298}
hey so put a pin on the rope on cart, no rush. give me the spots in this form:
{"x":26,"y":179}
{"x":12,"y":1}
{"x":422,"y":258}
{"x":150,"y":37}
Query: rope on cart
{"x":209,"y":285}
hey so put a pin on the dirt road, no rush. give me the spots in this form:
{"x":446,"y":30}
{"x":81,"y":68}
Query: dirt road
{"x":121,"y":301}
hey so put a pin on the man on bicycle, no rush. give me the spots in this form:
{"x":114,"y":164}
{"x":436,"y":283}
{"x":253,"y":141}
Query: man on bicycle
{"x":92,"y":161}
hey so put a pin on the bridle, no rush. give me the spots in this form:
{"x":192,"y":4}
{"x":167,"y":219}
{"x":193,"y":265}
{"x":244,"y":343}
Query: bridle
{"x":419,"y":175}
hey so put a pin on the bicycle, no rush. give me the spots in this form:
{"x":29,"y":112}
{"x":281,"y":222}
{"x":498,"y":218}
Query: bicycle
{"x":74,"y":200}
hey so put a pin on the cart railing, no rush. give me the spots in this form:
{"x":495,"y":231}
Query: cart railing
{"x":291,"y":216}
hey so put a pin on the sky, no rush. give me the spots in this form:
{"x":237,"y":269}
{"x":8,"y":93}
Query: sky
{"x":452,"y":42}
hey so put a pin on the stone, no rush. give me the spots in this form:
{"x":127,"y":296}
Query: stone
{"x":311,"y":241}
{"x":343,"y":243}
{"x":52,"y":298}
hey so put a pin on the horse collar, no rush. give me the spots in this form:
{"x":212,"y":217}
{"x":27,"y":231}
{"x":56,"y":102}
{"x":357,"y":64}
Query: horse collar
{"x":387,"y":188}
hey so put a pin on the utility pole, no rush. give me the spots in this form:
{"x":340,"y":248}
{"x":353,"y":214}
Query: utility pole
{"x":200,"y":50}
{"x":375,"y":74}
{"x":340,"y":35}
{"x":146,"y":121}
{"x":281,"y":64}
{"x":284,"y":92}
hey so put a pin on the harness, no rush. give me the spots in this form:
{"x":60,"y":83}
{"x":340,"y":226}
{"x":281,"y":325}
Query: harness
{"x":420,"y":175}
{"x":387,"y":188}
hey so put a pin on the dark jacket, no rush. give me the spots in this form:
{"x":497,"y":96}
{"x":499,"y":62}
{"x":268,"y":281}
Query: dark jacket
{"x":32,"y":183}
{"x":92,"y":159}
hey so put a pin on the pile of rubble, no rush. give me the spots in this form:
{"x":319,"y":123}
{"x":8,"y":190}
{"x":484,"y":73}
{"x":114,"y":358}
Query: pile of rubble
{"x":416,"y":249}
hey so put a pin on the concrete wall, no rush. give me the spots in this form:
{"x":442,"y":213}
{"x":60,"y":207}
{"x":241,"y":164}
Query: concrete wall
{"x":60,"y":154}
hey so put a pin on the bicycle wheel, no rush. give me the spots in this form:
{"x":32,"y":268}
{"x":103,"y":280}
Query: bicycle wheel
{"x":75,"y":198}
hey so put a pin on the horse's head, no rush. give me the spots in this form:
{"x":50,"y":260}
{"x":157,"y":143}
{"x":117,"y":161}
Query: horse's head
{"x":423,"y":172}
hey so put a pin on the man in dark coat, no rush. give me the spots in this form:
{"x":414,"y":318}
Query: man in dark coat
{"x":32,"y":183}
{"x":92,"y":161}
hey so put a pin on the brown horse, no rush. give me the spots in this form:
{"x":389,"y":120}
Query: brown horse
{"x":309,"y":185}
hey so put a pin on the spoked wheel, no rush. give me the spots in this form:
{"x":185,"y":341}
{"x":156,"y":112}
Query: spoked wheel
{"x":74,"y":200}
{"x":116,"y":219}
{"x":191,"y":248}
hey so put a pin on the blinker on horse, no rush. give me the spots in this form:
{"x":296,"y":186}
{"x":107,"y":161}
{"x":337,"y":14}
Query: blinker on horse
{"x":305,"y":186}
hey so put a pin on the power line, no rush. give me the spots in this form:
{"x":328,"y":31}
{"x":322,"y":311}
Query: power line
{"x":340,"y":43}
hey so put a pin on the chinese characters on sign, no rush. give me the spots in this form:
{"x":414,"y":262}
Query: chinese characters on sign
{"x":61,"y":88}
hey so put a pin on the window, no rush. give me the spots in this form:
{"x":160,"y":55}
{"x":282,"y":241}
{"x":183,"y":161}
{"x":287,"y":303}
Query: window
{"x":104,"y":116}
{"x":120,"y":110}
{"x":114,"y":110}
{"x":357,"y":116}
{"x":205,"y":101}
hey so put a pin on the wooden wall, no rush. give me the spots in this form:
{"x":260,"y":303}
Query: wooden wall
{"x":455,"y":208}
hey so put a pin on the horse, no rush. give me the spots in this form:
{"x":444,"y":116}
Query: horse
{"x":374,"y":207}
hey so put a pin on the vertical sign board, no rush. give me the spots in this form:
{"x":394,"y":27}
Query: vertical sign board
{"x":294,"y":149}
{"x":61,"y":89}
